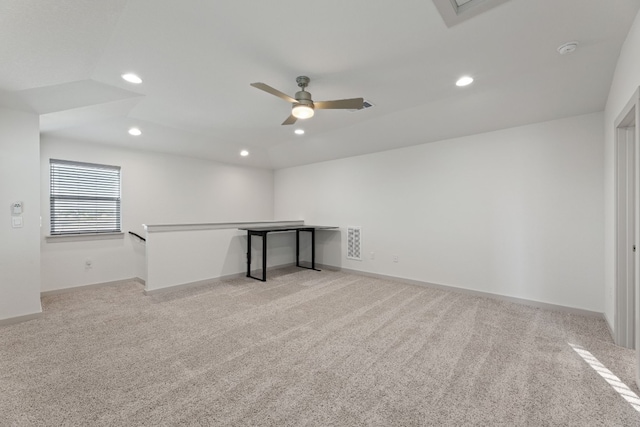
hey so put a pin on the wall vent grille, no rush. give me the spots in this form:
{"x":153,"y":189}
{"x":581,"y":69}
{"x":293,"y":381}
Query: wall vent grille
{"x":354,"y":243}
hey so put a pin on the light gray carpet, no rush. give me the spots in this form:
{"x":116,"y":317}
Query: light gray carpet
{"x":306,"y":348}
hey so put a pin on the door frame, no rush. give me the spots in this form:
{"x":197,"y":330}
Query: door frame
{"x":627,"y":228}
{"x":625,"y":236}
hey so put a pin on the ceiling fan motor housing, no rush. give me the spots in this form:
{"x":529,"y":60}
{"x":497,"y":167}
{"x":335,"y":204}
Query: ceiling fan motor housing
{"x":303,"y":97}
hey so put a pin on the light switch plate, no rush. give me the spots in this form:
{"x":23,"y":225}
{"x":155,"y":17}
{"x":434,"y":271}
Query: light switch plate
{"x":16,"y":222}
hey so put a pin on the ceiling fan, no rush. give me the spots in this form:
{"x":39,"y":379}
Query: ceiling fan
{"x":303,"y":106}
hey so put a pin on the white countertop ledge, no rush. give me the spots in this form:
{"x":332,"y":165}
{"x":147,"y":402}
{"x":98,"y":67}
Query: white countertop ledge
{"x":161,"y":228}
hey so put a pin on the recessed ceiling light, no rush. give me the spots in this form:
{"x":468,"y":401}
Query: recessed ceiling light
{"x":244,"y":153}
{"x":135,"y":132}
{"x":299,"y":131}
{"x":464,"y":81}
{"x":132,"y":78}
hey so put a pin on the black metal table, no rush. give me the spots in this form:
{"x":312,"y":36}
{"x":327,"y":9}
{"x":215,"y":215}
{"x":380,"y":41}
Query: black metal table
{"x":263,"y":231}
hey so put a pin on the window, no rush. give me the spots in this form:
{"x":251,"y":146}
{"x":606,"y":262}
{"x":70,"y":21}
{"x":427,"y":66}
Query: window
{"x":85,"y":198}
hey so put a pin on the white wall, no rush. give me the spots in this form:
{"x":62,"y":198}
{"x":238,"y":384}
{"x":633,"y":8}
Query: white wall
{"x":156,"y":189}
{"x":516,"y":212}
{"x":625,"y":82}
{"x":184,"y":255}
{"x":181,"y":257}
{"x":19,"y":247}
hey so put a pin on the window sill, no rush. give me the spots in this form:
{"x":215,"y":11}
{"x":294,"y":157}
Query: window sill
{"x":83,"y":237}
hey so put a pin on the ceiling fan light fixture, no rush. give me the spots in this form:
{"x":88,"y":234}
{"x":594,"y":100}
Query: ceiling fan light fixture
{"x":301,"y":111}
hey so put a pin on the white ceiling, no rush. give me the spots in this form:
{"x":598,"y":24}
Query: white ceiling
{"x":63,"y":59}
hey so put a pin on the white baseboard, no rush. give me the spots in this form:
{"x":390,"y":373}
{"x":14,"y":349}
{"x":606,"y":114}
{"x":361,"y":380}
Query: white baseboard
{"x":212,"y":280}
{"x":606,"y":320}
{"x":93,"y":285}
{"x":531,"y":303}
{"x":19,"y":319}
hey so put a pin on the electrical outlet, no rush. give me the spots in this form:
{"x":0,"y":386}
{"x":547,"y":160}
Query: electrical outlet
{"x":395,"y":258}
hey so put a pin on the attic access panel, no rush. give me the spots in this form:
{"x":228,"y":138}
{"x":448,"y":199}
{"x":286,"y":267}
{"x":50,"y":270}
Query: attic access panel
{"x":456,"y":11}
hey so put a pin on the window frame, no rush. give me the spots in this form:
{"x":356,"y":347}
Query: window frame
{"x":60,"y":183}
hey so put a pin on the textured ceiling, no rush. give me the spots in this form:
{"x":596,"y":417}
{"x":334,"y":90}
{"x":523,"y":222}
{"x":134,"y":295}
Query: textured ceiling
{"x":63,"y":59}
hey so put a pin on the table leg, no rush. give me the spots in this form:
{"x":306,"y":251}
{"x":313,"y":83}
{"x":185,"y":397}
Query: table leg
{"x":297,"y":248}
{"x":264,"y":257}
{"x":248,"y":253}
{"x":313,"y":248}
{"x":264,"y":254}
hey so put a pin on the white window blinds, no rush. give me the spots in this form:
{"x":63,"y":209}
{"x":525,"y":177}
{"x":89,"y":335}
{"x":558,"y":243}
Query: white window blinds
{"x":85,"y":198}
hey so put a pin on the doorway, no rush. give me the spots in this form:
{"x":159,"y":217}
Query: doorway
{"x":627,"y":234}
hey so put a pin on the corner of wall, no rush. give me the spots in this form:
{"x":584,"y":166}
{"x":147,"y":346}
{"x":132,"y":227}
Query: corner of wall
{"x":19,"y":232}
{"x":625,"y":82}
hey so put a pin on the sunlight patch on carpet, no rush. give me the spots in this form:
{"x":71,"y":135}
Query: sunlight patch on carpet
{"x":620,"y":387}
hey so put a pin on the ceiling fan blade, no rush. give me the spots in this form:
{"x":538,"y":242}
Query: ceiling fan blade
{"x":346,"y":104}
{"x":290,"y":120}
{"x":272,"y":91}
